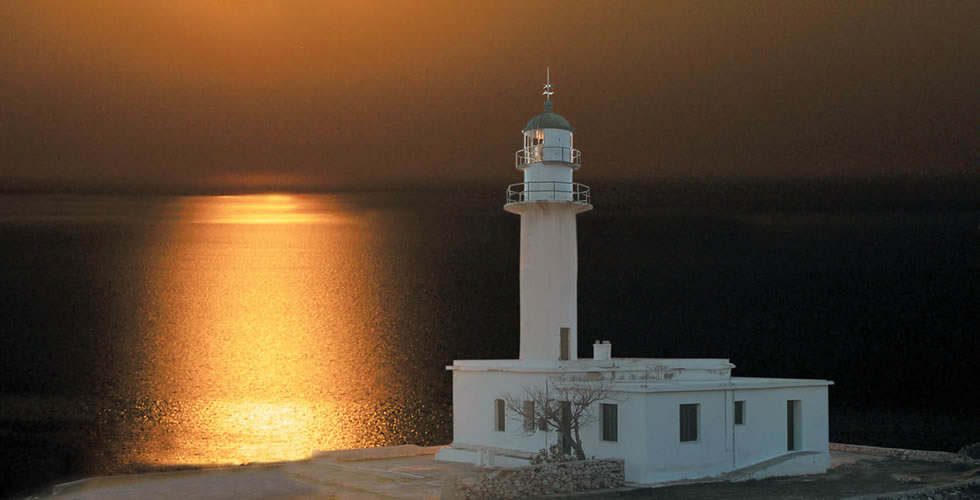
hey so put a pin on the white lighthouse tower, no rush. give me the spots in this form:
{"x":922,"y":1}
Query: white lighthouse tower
{"x":667,"y":419}
{"x":548,"y":201}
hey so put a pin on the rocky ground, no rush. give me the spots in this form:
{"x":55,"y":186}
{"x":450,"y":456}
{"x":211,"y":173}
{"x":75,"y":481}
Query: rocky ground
{"x":854,"y":475}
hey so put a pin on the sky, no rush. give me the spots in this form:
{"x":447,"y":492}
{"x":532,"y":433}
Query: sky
{"x":322,"y":95}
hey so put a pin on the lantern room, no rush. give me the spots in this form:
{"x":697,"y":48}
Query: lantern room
{"x":548,"y":138}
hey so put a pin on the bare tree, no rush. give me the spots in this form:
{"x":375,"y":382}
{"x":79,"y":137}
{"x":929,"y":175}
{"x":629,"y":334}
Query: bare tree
{"x":563,"y":404}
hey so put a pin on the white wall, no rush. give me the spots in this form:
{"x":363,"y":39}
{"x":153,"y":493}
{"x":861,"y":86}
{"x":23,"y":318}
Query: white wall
{"x":548,"y":182}
{"x":649,"y":426}
{"x":473,"y":424}
{"x":473,"y":397}
{"x":724,"y":446}
{"x":630,"y":446}
{"x":670,"y":459}
{"x":548,"y":278}
{"x":764,"y":434}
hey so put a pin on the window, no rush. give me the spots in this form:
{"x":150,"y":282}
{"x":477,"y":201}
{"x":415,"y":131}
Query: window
{"x":529,"y":416}
{"x":563,"y":344}
{"x":740,"y":413}
{"x":498,"y":415}
{"x":689,"y":422}
{"x":609,"y":421}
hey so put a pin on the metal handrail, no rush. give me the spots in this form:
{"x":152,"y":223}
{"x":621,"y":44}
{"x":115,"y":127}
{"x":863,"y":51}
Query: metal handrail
{"x":535,"y":154}
{"x":572,"y":192}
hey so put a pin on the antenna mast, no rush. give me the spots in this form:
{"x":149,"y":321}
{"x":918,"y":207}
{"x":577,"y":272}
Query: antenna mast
{"x":547,"y":87}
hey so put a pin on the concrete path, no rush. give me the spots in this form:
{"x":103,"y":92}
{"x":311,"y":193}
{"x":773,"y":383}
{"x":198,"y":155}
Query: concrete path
{"x":405,"y":477}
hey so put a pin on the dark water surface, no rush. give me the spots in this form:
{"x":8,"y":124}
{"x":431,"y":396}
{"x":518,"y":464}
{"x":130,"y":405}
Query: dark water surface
{"x":144,"y":332}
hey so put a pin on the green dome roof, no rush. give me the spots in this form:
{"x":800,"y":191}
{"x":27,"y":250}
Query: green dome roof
{"x":548,"y":120}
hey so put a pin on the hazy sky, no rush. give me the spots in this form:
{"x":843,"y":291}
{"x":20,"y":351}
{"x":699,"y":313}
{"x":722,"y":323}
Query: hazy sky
{"x":333,"y":94}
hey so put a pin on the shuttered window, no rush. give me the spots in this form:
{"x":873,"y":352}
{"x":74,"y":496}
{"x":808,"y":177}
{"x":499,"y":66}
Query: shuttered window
{"x":689,"y":422}
{"x":529,"y":416}
{"x":740,"y":413}
{"x":609,"y":421}
{"x":563,"y":344}
{"x":498,"y":414}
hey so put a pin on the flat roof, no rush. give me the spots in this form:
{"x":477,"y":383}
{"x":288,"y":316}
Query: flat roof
{"x":731,"y":384}
{"x":588,"y":364}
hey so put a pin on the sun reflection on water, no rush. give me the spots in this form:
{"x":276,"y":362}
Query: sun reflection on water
{"x":268,"y":358}
{"x":257,"y":209}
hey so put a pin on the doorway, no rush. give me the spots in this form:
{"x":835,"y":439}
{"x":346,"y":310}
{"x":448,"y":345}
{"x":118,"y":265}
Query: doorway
{"x":794,"y":427}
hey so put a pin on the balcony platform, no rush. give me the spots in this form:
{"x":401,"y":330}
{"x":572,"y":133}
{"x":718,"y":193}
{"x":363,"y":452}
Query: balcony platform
{"x":568,"y":192}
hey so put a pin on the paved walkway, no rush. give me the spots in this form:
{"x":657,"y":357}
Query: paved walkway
{"x":343,"y":477}
{"x":382,"y":473}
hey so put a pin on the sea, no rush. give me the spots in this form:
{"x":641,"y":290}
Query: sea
{"x":157,"y":332}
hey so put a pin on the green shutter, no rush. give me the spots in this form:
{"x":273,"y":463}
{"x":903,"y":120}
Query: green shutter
{"x":610,"y":422}
{"x":529,"y":416}
{"x":689,"y":422}
{"x":499,"y":414}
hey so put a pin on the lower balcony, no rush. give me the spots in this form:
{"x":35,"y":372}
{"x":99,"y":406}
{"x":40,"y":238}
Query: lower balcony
{"x":572,"y":192}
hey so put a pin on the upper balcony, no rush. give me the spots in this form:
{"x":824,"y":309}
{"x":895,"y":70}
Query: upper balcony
{"x":538,"y":153}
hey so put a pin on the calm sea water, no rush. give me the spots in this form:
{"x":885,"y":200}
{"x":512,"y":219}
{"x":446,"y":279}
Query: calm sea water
{"x":140,"y":333}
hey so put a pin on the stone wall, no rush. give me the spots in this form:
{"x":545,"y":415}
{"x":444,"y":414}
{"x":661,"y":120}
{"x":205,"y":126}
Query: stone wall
{"x":901,"y":453}
{"x":543,"y":479}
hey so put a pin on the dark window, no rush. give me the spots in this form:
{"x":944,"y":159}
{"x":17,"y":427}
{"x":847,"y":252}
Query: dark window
{"x":739,"y":412}
{"x":689,"y":422}
{"x":609,"y":421}
{"x":563,"y":344}
{"x":498,"y":414}
{"x":529,"y":416}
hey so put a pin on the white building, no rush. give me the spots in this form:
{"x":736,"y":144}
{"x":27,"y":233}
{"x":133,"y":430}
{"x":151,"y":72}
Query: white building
{"x":669,"y":419}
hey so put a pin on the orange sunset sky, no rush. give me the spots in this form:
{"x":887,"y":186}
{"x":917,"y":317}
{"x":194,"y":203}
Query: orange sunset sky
{"x":339,"y":94}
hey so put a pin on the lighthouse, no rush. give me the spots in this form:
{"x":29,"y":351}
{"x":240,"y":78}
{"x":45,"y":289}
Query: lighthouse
{"x":548,"y":201}
{"x":667,"y":419}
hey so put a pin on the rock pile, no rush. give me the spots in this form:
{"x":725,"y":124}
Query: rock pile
{"x":543,"y":479}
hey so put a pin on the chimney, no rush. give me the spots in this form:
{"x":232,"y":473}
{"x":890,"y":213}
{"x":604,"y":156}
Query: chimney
{"x":602,"y":351}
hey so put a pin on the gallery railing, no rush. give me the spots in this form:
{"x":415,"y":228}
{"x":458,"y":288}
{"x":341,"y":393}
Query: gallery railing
{"x":572,"y":192}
